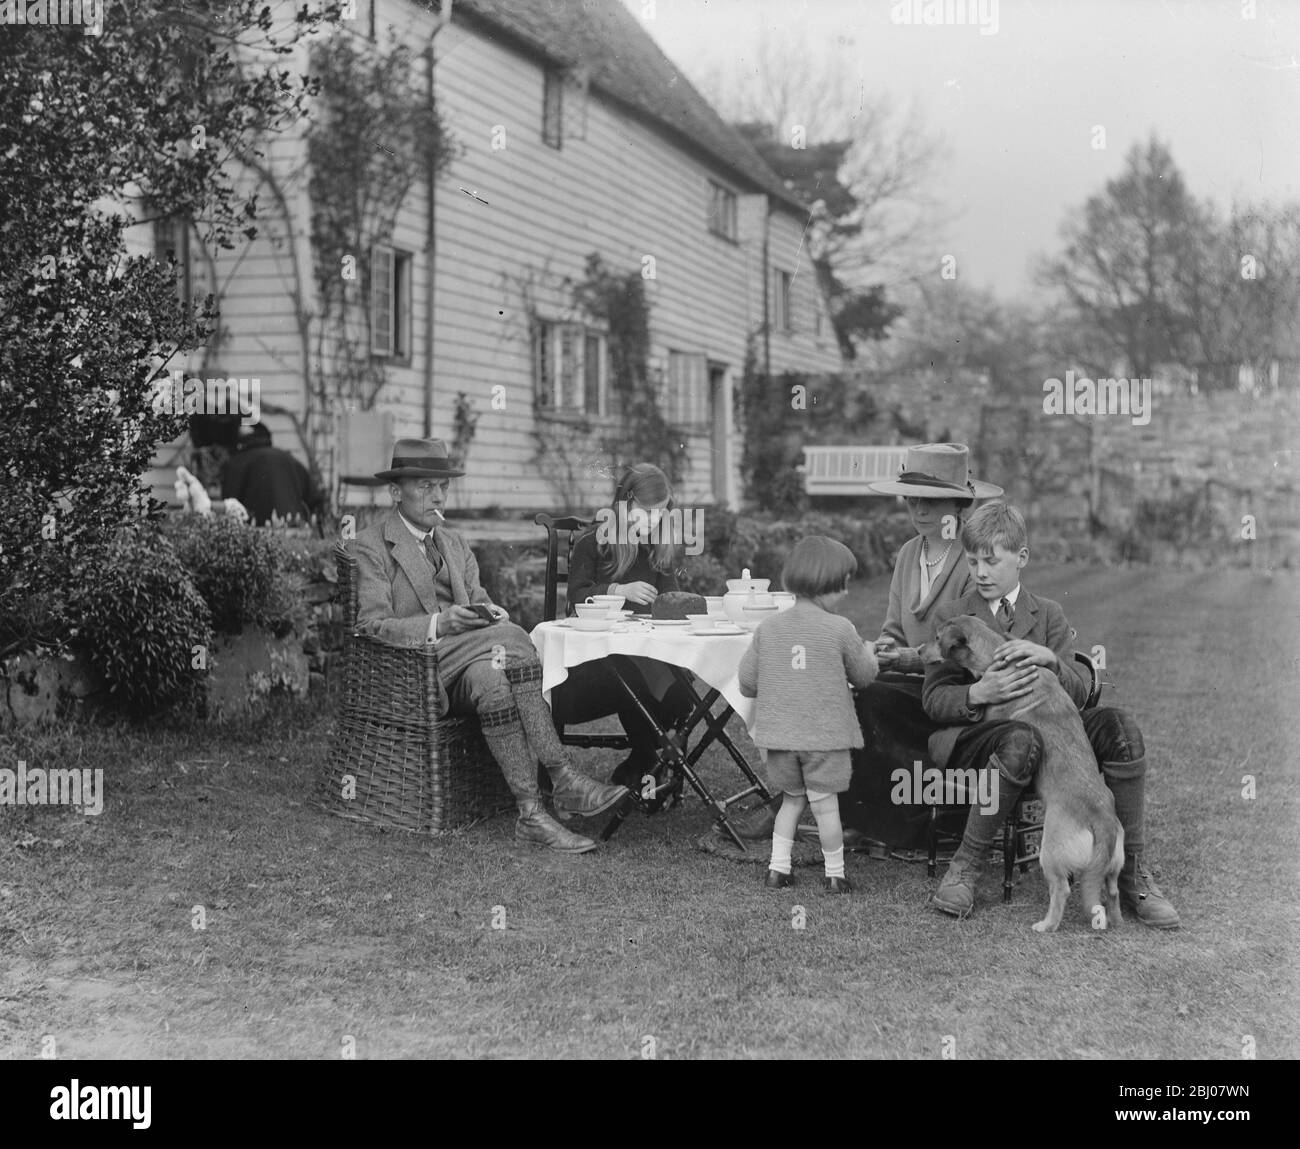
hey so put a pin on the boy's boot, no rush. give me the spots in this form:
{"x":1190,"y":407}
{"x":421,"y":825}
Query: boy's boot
{"x":505,"y":738}
{"x":1139,"y":895}
{"x":572,"y":793}
{"x":956,"y":893}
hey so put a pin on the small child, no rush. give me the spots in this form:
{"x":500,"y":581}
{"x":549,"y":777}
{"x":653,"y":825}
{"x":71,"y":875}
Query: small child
{"x":799,"y":667}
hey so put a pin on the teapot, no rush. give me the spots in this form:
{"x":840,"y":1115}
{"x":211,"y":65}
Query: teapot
{"x":745,"y":592}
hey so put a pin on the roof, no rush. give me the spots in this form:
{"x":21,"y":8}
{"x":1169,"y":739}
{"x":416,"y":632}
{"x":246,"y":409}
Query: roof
{"x":623,"y":61}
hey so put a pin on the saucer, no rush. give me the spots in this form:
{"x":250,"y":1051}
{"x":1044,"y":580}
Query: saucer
{"x":588,"y":624}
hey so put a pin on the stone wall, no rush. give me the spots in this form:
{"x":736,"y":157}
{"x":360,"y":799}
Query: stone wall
{"x":1080,"y":476}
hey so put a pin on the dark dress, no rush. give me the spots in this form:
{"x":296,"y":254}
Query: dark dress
{"x":269,"y":481}
{"x":586,"y":576}
{"x":895,"y":730}
{"x":591,"y":691}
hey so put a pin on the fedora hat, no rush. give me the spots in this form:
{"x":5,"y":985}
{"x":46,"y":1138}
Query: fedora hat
{"x":420,"y":459}
{"x":936,"y":471}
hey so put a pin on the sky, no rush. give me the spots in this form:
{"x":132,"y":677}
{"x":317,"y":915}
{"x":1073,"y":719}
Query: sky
{"x":1017,"y":105}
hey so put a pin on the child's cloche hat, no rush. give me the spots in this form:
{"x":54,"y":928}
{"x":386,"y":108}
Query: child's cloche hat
{"x":936,"y":471}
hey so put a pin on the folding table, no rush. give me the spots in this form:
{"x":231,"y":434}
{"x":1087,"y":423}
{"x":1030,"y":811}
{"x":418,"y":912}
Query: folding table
{"x":712,"y":659}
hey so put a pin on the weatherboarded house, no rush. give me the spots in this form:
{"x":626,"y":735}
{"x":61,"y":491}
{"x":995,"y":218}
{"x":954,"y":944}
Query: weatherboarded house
{"x":575,"y":137}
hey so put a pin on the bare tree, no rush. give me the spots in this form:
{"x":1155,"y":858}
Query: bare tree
{"x":807,"y":97}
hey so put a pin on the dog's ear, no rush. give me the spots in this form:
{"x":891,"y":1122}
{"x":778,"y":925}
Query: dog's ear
{"x":948,"y":639}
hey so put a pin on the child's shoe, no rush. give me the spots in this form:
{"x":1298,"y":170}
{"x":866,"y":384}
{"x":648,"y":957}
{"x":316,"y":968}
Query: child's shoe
{"x":838,"y":885}
{"x":777,"y":880}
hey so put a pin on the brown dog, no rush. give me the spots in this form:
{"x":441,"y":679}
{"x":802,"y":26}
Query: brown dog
{"x":1081,"y":835}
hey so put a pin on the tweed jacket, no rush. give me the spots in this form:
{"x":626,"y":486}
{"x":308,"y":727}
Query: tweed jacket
{"x":396,"y":591}
{"x":944,"y":695}
{"x":909,"y":621}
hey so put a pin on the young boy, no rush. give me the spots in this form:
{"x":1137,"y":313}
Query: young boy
{"x":1038,"y":634}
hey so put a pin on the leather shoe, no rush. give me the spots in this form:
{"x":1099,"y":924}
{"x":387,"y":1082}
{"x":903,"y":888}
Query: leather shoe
{"x":757,"y":823}
{"x":1140,"y":897}
{"x":956,"y":893}
{"x":575,"y":793}
{"x":837,"y":885}
{"x":777,"y":880}
{"x":536,"y":826}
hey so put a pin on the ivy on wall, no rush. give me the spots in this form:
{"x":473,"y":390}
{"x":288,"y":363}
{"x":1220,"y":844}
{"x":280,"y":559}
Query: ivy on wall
{"x":373,"y":137}
{"x":572,"y":446}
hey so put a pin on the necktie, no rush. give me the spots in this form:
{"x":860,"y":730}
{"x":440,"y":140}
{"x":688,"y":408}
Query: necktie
{"x":1006,"y":616}
{"x":432,"y":553}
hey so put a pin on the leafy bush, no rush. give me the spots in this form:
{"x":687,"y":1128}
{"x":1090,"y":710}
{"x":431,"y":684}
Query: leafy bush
{"x":764,"y":544}
{"x":704,"y":575}
{"x":241,"y":572}
{"x":514,"y":577}
{"x":140,"y":620}
{"x":86,"y":331}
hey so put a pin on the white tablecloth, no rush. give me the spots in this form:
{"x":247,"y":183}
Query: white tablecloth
{"x":712,"y":658}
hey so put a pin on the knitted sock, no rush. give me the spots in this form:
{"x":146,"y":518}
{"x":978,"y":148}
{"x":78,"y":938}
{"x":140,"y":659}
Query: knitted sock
{"x":535,"y":716}
{"x":834,"y":862}
{"x":505,"y":739}
{"x":781,"y":849}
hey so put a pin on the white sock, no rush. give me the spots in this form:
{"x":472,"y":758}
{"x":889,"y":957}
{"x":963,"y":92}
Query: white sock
{"x":834,"y":862}
{"x":781,"y":848}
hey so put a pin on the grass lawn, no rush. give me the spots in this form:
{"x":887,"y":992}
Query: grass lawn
{"x":318,"y":931}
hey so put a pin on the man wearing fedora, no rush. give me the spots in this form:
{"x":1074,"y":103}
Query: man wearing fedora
{"x":416,"y":582}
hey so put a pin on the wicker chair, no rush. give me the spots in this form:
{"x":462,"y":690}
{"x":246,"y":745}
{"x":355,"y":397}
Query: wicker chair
{"x":394,"y":763}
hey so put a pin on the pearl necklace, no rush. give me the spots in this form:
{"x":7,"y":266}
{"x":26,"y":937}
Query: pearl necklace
{"x":925,"y":550}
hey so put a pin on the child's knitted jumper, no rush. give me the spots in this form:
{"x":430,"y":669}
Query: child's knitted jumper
{"x":799,"y":667}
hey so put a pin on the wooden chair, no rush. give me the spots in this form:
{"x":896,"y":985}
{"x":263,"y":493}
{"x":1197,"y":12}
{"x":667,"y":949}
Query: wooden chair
{"x":394,"y":763}
{"x":562,"y":532}
{"x":1022,"y":833}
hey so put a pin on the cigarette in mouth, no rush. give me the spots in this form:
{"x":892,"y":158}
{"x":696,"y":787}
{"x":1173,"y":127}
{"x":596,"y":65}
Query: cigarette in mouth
{"x":439,"y":514}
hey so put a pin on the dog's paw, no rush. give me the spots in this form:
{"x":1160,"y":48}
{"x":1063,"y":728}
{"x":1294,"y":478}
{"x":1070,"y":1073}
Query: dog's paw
{"x":1044,"y":927}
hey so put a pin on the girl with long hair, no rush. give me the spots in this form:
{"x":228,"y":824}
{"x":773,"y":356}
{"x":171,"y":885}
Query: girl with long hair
{"x":634,"y":550}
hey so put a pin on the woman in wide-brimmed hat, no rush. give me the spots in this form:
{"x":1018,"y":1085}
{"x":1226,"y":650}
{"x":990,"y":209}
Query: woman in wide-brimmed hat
{"x":931,"y":569}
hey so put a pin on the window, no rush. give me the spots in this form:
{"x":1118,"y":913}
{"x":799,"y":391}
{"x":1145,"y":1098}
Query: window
{"x":564,"y":106}
{"x":553,"y":109}
{"x":684,"y":398}
{"x":779,"y":304}
{"x":722,"y":212}
{"x":571,"y":369}
{"x":171,"y":241}
{"x":575,"y":104}
{"x":390,"y":303}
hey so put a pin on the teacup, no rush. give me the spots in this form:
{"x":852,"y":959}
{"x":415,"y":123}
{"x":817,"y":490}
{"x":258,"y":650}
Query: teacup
{"x":591,"y":610}
{"x":612,"y":603}
{"x":701,"y":623}
{"x":598,"y":623}
{"x":714,"y":604}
